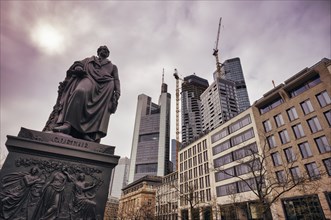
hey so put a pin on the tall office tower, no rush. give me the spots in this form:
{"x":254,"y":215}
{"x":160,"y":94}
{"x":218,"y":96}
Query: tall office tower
{"x":192,"y":87}
{"x":233,"y":71}
{"x":218,"y":103}
{"x":120,"y":177}
{"x":151,"y":137}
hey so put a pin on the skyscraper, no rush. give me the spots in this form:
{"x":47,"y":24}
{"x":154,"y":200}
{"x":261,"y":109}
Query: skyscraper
{"x":218,"y":103}
{"x":151,"y":137}
{"x":233,"y":71}
{"x":192,"y":87}
{"x":120,"y":177}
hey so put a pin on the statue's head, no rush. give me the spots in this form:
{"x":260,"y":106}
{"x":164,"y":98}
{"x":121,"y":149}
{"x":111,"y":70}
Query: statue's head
{"x":103,"y":51}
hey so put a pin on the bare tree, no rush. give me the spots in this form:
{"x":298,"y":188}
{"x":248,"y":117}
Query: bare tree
{"x":266,"y":186}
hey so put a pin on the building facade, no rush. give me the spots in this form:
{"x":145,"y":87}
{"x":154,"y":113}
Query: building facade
{"x":233,"y":72}
{"x":120,"y":177}
{"x":294,"y":120}
{"x":166,"y":198}
{"x":151,"y":137}
{"x":192,"y":87}
{"x":138,"y":199}
{"x":218,"y":103}
{"x":271,"y":161}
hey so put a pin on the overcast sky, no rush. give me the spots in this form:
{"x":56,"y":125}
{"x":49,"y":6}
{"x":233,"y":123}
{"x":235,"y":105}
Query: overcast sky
{"x":41,"y":39}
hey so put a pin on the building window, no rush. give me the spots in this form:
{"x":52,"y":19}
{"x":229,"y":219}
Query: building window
{"x":298,"y":131}
{"x":314,"y":124}
{"x":327,"y":164}
{"x":323,"y":98}
{"x":307,"y":107}
{"x":290,"y":156}
{"x":219,"y":135}
{"x":271,"y":105}
{"x":328,"y":117}
{"x":223,"y":160}
{"x":221,"y":147}
{"x":312,"y":170}
{"x":295,"y":173}
{"x":305,"y":150}
{"x":240,"y":123}
{"x":304,"y":207}
{"x":292,"y":114}
{"x":281,"y":177}
{"x":246,"y":135}
{"x":322,"y":144}
{"x":226,"y":189}
{"x":267,"y":126}
{"x":284,"y":137}
{"x":276,"y":159}
{"x":271,"y":141}
{"x":224,"y":174}
{"x":279,"y":120}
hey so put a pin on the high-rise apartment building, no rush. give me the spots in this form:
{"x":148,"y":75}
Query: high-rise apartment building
{"x":218,"y":103}
{"x":232,"y":71}
{"x":192,"y":87}
{"x":120,"y":177}
{"x":151,"y":137}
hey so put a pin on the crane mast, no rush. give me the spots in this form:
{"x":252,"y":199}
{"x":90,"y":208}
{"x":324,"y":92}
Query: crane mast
{"x":215,"y":53}
{"x":177,"y":116}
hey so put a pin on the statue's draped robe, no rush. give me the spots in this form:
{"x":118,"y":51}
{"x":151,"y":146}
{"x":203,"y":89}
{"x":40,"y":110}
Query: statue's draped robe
{"x":87,"y":100}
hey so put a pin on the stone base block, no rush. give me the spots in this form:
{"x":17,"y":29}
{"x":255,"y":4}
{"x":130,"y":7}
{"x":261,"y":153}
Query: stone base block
{"x":54,"y":176}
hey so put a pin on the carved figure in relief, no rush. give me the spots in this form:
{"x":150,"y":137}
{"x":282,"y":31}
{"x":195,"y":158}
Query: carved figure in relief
{"x":20,"y":190}
{"x":49,"y":205}
{"x":86,"y":98}
{"x":83,"y":206}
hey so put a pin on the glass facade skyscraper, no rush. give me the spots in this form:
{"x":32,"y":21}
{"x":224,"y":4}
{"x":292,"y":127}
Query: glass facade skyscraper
{"x":120,"y":177}
{"x":233,"y":72}
{"x":192,"y":87}
{"x":151,"y":137}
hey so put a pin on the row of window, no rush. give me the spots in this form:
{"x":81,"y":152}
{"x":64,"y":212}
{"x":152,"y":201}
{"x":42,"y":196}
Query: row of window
{"x":305,"y":150}
{"x":231,"y":128}
{"x":193,"y":150}
{"x":195,"y":184}
{"x":193,"y":173}
{"x":233,"y":141}
{"x":298,"y":131}
{"x":311,"y":169}
{"x":239,"y":187}
{"x":323,"y":99}
{"x":238,"y":170}
{"x":194,"y":161}
{"x":236,"y":155}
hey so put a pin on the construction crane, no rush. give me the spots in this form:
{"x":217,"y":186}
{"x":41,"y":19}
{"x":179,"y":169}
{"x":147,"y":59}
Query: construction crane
{"x":177,"y":115}
{"x":215,"y":53}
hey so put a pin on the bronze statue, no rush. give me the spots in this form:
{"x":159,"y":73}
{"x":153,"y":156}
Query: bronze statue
{"x":87,"y":98}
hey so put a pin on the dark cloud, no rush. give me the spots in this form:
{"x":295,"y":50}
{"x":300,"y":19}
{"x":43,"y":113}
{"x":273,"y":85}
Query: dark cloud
{"x":274,"y":40}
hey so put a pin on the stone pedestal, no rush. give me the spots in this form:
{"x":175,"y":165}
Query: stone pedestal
{"x":54,"y":176}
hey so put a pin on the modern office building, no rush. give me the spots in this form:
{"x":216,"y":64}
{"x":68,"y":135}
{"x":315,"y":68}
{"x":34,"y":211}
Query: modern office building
{"x":192,"y":87}
{"x":294,"y":120}
{"x":232,"y":71}
{"x":218,"y":103}
{"x":151,"y":137}
{"x":120,"y":177}
{"x":277,"y":150}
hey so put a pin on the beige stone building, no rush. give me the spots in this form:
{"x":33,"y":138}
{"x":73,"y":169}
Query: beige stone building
{"x":294,"y":122}
{"x":111,"y":209}
{"x":138,"y":199}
